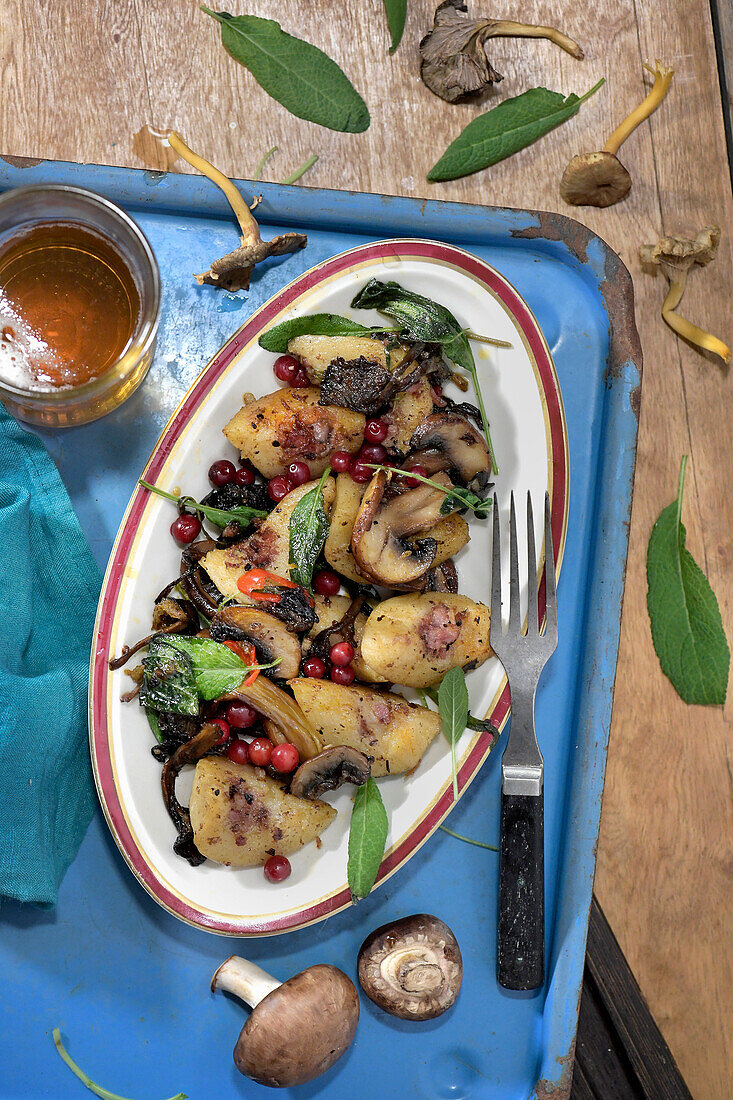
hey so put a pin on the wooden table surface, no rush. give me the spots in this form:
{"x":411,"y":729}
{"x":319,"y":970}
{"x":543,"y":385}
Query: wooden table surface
{"x":80,"y":79}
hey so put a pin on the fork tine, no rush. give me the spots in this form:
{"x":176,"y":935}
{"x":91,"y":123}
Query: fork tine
{"x":496,"y":623}
{"x":533,"y":626}
{"x":515,"y":614}
{"x":550,"y":580}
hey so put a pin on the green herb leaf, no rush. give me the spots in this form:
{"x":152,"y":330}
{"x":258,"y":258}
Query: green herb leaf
{"x":314,"y":324}
{"x":455,"y":495}
{"x":105,"y":1094}
{"x":220,"y":517}
{"x":421,"y":318}
{"x":453,"y":707}
{"x":298,"y":75}
{"x":504,"y":130}
{"x":309,"y":527}
{"x":168,"y":681}
{"x":152,"y":717}
{"x":216,"y":669}
{"x":367,"y":837}
{"x":478,"y":725}
{"x":396,"y":15}
{"x":687,"y":629}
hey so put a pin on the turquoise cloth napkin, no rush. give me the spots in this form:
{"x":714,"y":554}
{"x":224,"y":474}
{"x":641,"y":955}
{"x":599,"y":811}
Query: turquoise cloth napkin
{"x":49,"y":584}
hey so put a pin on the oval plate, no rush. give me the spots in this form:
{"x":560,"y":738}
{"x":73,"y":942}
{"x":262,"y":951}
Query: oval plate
{"x":525,"y":409}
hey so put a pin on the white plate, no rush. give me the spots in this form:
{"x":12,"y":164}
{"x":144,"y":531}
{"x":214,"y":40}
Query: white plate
{"x":523,"y":401}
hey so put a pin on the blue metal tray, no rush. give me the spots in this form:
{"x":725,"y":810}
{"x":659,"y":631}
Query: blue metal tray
{"x":129,"y":984}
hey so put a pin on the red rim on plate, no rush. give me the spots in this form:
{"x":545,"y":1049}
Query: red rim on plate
{"x":99,"y":731}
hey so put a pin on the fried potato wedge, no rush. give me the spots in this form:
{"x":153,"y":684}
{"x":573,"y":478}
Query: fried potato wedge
{"x":414,"y":640}
{"x":240,"y":816}
{"x":316,"y":353}
{"x":382,"y":725}
{"x":289,"y":426}
{"x":409,"y":409}
{"x":337,"y":550}
{"x":268,"y":547}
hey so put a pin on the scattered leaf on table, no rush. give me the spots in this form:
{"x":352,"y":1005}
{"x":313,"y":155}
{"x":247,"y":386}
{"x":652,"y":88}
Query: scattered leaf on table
{"x":295,"y":73}
{"x":687,"y":629}
{"x":504,"y":130}
{"x":367,"y":837}
{"x":396,"y":15}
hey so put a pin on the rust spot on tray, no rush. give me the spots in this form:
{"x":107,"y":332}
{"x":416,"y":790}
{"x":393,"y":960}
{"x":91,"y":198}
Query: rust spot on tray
{"x":23,"y":162}
{"x":556,"y":227}
{"x":635,"y":400}
{"x":558,"y":1090}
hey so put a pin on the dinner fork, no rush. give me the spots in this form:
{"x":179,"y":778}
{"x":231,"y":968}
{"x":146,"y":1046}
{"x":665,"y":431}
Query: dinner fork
{"x":521,"y":932}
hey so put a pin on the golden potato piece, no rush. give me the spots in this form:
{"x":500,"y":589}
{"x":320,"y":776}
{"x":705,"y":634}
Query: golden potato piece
{"x":451,"y":535}
{"x":409,"y":409}
{"x":337,"y":550}
{"x":268,"y":547}
{"x":385,"y":726}
{"x":288,"y":426}
{"x":329,"y":610}
{"x":316,"y":353}
{"x":241,"y":817}
{"x":414,"y":640}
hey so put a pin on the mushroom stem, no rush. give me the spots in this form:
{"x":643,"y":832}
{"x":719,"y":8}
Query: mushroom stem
{"x":507,"y":28}
{"x":662,"y":80}
{"x":684,"y":328}
{"x":244,"y":979}
{"x":248,"y":225}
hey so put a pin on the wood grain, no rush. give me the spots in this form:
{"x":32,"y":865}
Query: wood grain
{"x":79,"y":80}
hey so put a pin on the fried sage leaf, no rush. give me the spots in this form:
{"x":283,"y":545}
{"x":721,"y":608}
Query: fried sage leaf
{"x":396,"y":15}
{"x":367,"y":837}
{"x":506,"y":129}
{"x":313,"y":324}
{"x":168,"y":681}
{"x":687,"y":629}
{"x":309,"y":528}
{"x":295,"y":73}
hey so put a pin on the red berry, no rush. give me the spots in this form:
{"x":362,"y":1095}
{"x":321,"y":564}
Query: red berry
{"x":238,"y":751}
{"x":186,"y":528}
{"x":326,"y":582}
{"x":359,"y":472}
{"x":241,"y":715}
{"x":375,"y":431}
{"x":315,"y":668}
{"x":372,"y":452}
{"x":341,"y":654}
{"x":300,"y":381}
{"x":342,"y":674}
{"x":224,"y":727}
{"x":298,"y":473}
{"x":285,"y":758}
{"x":260,"y":751}
{"x":412,"y":482}
{"x":277,"y":868}
{"x":286,"y":368}
{"x":340,"y":461}
{"x":279,"y":487}
{"x":244,"y":477}
{"x":222,"y":472}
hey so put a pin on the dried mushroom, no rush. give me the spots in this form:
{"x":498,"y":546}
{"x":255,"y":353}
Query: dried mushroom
{"x":600,"y":179}
{"x":454,"y":63}
{"x":676,"y":256}
{"x":234,"y":271}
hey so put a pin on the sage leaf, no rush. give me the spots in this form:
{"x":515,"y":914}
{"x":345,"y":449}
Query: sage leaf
{"x":453,"y":707}
{"x":216,"y":669}
{"x":314,"y":324}
{"x":309,"y":528}
{"x":220,"y":517}
{"x":687,"y":629}
{"x":168,"y":681}
{"x":504,"y":130}
{"x":396,"y":15}
{"x":421,"y":318}
{"x":295,"y":73}
{"x":367,"y":837}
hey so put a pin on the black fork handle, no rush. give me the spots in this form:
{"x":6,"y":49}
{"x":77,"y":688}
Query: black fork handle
{"x":521,"y":938}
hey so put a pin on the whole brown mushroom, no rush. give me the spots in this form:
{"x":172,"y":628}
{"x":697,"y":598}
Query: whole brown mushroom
{"x":412,"y":968}
{"x":297,"y":1029}
{"x":600,"y":179}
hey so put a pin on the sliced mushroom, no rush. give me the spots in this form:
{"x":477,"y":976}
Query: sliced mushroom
{"x":381,"y":528}
{"x":269,"y":635}
{"x":412,"y":968}
{"x":453,"y":437}
{"x":286,"y":720}
{"x":329,"y":770}
{"x":297,"y":1029}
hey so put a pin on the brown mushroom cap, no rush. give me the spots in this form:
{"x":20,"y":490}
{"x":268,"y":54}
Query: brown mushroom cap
{"x":269,"y":635}
{"x":300,"y":1029}
{"x":594,"y":179}
{"x":457,"y":442}
{"x":329,"y":770}
{"x":412,"y":968}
